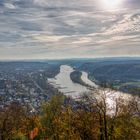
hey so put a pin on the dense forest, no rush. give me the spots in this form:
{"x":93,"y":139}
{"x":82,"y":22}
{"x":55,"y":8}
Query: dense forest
{"x":120,"y":73}
{"x":62,"y":118}
{"x":76,"y":77}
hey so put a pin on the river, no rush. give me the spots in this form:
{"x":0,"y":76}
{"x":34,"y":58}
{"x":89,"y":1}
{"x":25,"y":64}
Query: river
{"x":63,"y":82}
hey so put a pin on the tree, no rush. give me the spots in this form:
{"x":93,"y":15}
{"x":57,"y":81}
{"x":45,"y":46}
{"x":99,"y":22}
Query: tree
{"x":13,"y":120}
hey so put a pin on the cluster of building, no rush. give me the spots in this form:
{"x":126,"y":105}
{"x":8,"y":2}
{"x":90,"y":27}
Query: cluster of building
{"x":29,"y":88}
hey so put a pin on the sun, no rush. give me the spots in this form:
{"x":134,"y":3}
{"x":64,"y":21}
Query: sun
{"x":111,"y":4}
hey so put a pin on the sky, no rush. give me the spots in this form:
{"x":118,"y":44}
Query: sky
{"x":58,"y":29}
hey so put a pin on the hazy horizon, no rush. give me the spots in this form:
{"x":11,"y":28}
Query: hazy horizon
{"x":78,"y":58}
{"x":63,"y":29}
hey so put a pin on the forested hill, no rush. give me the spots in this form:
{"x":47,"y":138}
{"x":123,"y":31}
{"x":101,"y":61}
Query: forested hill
{"x":123,"y":74}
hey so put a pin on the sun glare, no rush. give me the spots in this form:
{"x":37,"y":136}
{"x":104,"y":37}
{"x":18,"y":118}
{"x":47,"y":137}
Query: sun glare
{"x":111,"y":4}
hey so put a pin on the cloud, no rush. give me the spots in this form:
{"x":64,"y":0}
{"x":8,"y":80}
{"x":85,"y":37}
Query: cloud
{"x":63,"y":28}
{"x":129,"y":24}
{"x":9,"y":5}
{"x":48,"y":38}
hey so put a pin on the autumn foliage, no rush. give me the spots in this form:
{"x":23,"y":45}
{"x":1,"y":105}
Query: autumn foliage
{"x":61,"y":118}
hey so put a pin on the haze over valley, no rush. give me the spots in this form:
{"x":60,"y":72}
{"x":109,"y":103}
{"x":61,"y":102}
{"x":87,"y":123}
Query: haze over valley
{"x":34,"y":82}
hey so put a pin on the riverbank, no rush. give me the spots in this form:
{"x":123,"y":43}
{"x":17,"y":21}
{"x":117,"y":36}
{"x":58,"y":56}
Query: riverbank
{"x":65,"y":85}
{"x":63,"y":82}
